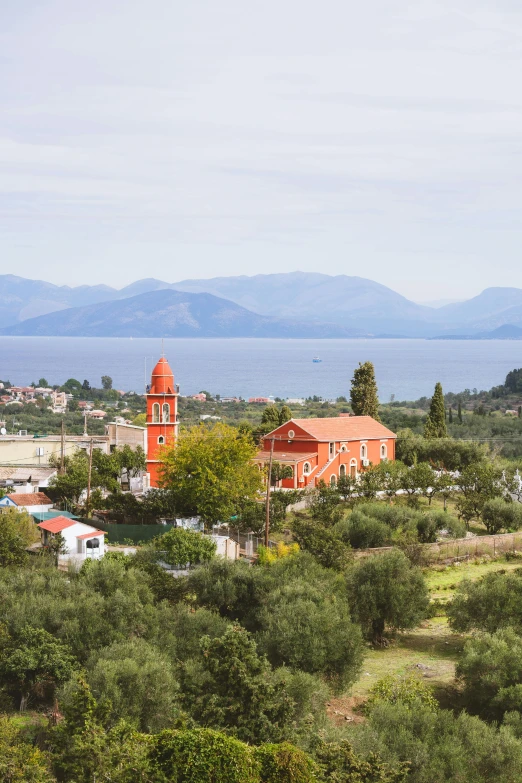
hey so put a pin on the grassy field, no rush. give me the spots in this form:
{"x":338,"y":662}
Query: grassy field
{"x":443,"y":581}
{"x":432,"y":650}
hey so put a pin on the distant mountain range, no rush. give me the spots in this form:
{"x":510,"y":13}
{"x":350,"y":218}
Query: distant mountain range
{"x":167,"y":313}
{"x":296,"y":304}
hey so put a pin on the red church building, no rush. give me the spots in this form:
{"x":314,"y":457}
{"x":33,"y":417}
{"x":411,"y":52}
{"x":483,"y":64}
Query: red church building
{"x":325,"y":449}
{"x":162,"y":416}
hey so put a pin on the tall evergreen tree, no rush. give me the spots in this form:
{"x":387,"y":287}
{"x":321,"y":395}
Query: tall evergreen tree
{"x":436,"y":420}
{"x":450,"y":415}
{"x":459,"y":413}
{"x":363,"y":394}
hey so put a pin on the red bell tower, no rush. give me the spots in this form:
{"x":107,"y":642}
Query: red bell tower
{"x":162,"y":416}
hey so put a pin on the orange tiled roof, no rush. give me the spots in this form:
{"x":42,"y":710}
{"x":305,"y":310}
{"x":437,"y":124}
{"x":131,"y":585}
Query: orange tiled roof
{"x":92,"y":534}
{"x":344,"y":428}
{"x":57,"y":524}
{"x":30,"y":499}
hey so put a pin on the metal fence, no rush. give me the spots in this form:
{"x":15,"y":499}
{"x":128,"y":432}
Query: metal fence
{"x":120,"y":534}
{"x":461,"y":548}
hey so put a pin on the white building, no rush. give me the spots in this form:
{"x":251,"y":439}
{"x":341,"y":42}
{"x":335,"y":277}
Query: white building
{"x":81,"y":541}
{"x":33,"y":502}
{"x":26,"y":480}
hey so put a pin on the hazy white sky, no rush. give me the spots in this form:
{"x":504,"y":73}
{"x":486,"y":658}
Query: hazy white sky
{"x":214,"y":137}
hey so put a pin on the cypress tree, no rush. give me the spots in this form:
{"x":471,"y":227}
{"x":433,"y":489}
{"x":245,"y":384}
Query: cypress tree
{"x":363,"y":394}
{"x":450,"y":415}
{"x":459,"y":413}
{"x":436,"y":419}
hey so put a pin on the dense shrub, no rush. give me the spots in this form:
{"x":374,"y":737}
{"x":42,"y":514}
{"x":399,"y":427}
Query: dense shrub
{"x":497,"y":515}
{"x":491,"y":671}
{"x":440,"y":746}
{"x":490,"y":603}
{"x":284,"y":763}
{"x":364,"y":532}
{"x":203,"y":756}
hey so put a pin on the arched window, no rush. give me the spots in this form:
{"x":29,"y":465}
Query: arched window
{"x":364,"y":451}
{"x":166,"y":412}
{"x":343,"y":448}
{"x":342,"y":470}
{"x":353,"y":468}
{"x":384,"y":451}
{"x":333,"y":480}
{"x":161,"y":440}
{"x":155,"y":413}
{"x":290,"y":472}
{"x":306,"y":469}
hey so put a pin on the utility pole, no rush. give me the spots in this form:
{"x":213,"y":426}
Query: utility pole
{"x":88,"y":500}
{"x":62,"y":448}
{"x":268,"y":485}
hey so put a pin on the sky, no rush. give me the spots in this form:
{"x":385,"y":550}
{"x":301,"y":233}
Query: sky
{"x":178,"y":139}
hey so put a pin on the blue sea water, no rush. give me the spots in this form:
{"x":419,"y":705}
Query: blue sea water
{"x":408,"y":369}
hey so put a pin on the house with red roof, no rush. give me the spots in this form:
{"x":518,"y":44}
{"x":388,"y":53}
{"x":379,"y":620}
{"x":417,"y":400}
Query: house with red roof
{"x":82,"y":541}
{"x":33,"y":502}
{"x":326,"y":449}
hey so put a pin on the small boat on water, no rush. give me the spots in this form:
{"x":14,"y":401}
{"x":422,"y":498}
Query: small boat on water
{"x":316,"y":360}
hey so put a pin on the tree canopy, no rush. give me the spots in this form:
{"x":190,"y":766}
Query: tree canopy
{"x":363,"y":394}
{"x":210,"y":471}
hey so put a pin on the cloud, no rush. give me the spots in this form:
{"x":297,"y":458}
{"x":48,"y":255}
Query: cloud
{"x":381,"y":138}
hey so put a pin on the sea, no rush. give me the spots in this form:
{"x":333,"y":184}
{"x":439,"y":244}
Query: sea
{"x":406,"y":369}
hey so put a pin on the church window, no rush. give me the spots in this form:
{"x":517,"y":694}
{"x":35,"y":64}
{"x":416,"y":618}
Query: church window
{"x":166,"y":412}
{"x":155,"y":413}
{"x":161,"y":440}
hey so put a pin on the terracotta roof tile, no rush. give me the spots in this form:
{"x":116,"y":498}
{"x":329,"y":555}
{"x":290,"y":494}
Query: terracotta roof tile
{"x":343,"y":428}
{"x":92,"y":534}
{"x":30,"y":499}
{"x":57,"y":524}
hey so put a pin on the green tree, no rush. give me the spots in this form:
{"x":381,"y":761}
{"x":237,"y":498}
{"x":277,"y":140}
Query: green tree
{"x":438,"y":745}
{"x":43,"y":383}
{"x":134,"y":680}
{"x":210,"y":471}
{"x":436,"y":418}
{"x":324,"y":504}
{"x":270,"y":416}
{"x":21,"y":762}
{"x":324,"y":543}
{"x":106,"y":382}
{"x":459,"y":412}
{"x":490,"y":603}
{"x":180,"y":547}
{"x":34,"y":663}
{"x":234,"y":691}
{"x":17,"y":532}
{"x":386,"y":591}
{"x":478,"y":483}
{"x":363,"y":394}
{"x":491,"y":671}
{"x":285,"y":414}
{"x":305,"y":629}
{"x":498,"y":514}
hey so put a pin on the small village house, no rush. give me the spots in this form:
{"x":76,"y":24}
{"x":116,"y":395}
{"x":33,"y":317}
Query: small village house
{"x":82,"y":541}
{"x":32,"y":502}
